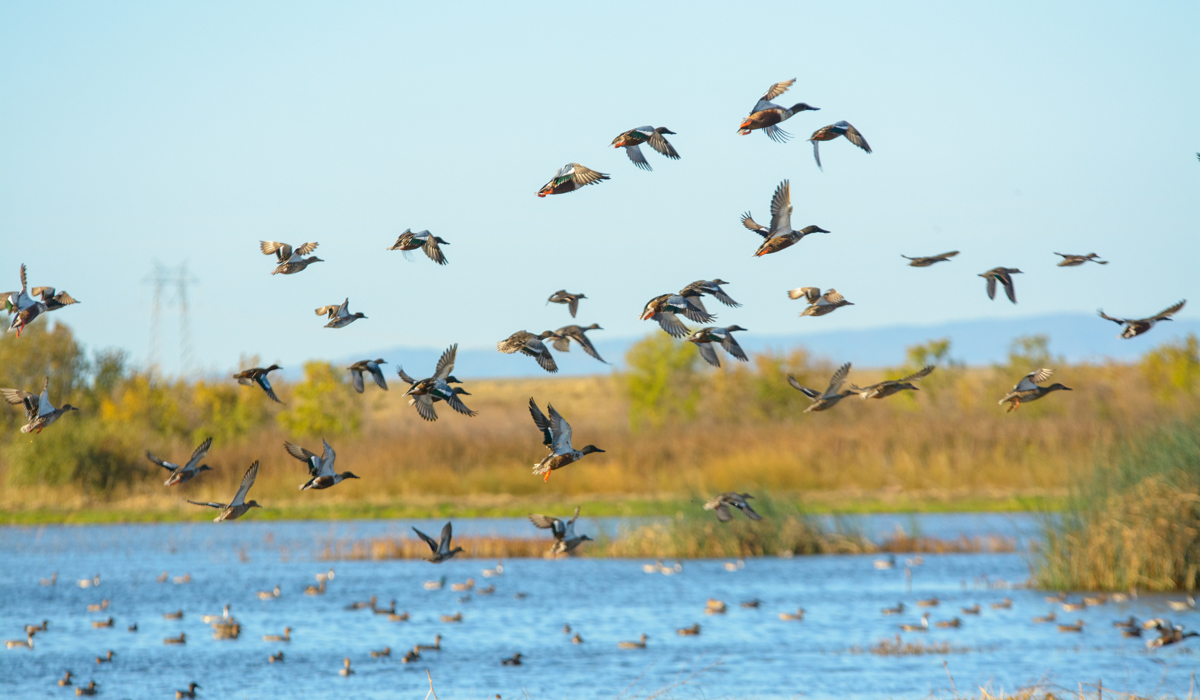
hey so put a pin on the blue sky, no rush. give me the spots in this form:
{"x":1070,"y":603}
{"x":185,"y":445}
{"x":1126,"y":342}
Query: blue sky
{"x":135,"y":132}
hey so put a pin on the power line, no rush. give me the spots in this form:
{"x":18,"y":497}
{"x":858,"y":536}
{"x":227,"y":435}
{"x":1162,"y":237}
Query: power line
{"x":179,"y":279}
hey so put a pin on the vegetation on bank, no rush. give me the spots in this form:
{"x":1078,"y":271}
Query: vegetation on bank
{"x":671,"y":426}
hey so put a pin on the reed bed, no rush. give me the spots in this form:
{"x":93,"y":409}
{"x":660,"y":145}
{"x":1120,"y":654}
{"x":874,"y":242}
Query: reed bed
{"x":899,"y":647}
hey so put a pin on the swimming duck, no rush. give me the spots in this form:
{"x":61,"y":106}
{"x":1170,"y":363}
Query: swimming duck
{"x":819,"y":304}
{"x":736,"y":566}
{"x":767,"y":115}
{"x":34,"y":629}
{"x":435,"y":585}
{"x":1094,"y":600}
{"x":577,"y":639}
{"x":1131,"y":622}
{"x":98,"y":607}
{"x":289,"y":260}
{"x":285,"y":637}
{"x":753,"y":603}
{"x":231,"y":629}
{"x":436,"y":646}
{"x":132,"y":628}
{"x":441,"y":548}
{"x":189,"y":693}
{"x":797,"y":616}
{"x":715,"y":607}
{"x":721,"y":503}
{"x":556,"y":435}
{"x":213,"y":619}
{"x":370,"y":366}
{"x":631,"y":141}
{"x":346,"y":671}
{"x":424,"y":393}
{"x":514,"y":660}
{"x":65,"y":680}
{"x":931,"y":260}
{"x":269,"y":595}
{"x":1074,"y":607}
{"x":693,"y":631}
{"x":1043,"y":619}
{"x":828,"y":133}
{"x":277,"y":656}
{"x":40,"y":413}
{"x":486,"y":590}
{"x":948,"y":624}
{"x":381,"y":653}
{"x":399,"y":617}
{"x":663,"y":309}
{"x":884,"y":389}
{"x":705,"y":337}
{"x":90,"y":689}
{"x":923,"y":627}
{"x":929,"y":602}
{"x":1182,"y":605}
{"x":49,"y":581}
{"x":390,"y":610}
{"x":1028,"y":390}
{"x":238,"y":506}
{"x":100,"y":624}
{"x":467,"y":586}
{"x":565,"y":539}
{"x":320,"y":469}
{"x":823,"y":401}
{"x":188,"y":471}
{"x":780,"y":235}
{"x":899,"y":609}
{"x":181,"y":639}
{"x":180,"y":580}
{"x":562,"y":296}
{"x":450,"y":619}
{"x":973,"y":610}
{"x":1136,"y":327}
{"x":94,"y":581}
{"x":1069,"y":260}
{"x":564,"y":335}
{"x":1003,"y":275}
{"x":640,"y":644}
{"x":498,"y":571}
{"x":258,"y":376}
{"x":177,"y":615}
{"x":569,"y":178}
{"x":362,"y":604}
{"x":339,"y":316}
{"x":1077,"y":627}
{"x":529,"y":344}
{"x":411,"y":656}
{"x":26,"y":643}
{"x":424,"y":240}
{"x":712,"y":288}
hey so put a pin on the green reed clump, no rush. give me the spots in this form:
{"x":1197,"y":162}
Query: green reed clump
{"x":1134,"y":522}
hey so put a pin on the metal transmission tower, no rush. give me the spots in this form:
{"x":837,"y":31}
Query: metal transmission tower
{"x":163,"y":277}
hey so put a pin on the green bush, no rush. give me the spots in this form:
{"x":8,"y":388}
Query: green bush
{"x":1173,"y":368}
{"x":74,"y":452}
{"x":323,"y":404}
{"x":662,"y":381}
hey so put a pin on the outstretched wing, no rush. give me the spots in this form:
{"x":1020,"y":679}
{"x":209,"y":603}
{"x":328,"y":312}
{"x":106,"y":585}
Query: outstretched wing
{"x":306,"y":248}
{"x":165,"y":465}
{"x":247,"y":482}
{"x":921,"y":374}
{"x":809,"y":293}
{"x":428,"y":540}
{"x":447,"y":533}
{"x":660,"y":144}
{"x":543,"y":423}
{"x":639,"y":159}
{"x":445,"y":364}
{"x":754,"y":226}
{"x":781,"y":208}
{"x":1118,"y":321}
{"x":303,"y":455}
{"x":774,"y":91}
{"x":404,"y":376}
{"x":586,"y":176}
{"x":1169,"y":311}
{"x":709,"y":355}
{"x":556,"y":526}
{"x":810,"y":393}
{"x":670,"y":323}
{"x":855,"y":137}
{"x":838,"y":378}
{"x":456,"y":403}
{"x":561,"y":430}
{"x":198,"y":454}
{"x":206,"y":503}
{"x":424,"y":406}
{"x":328,"y":456}
{"x":356,"y":378}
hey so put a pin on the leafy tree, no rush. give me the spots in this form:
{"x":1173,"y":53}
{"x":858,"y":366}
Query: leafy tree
{"x":1173,"y":368}
{"x":663,"y":381}
{"x":323,"y":404}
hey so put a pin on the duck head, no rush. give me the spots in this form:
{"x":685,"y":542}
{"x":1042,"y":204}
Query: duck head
{"x":718,"y":280}
{"x":461,"y":391}
{"x":585,"y":538}
{"x":734,"y":328}
{"x":594,"y":327}
{"x":381,"y":362}
{"x":588,"y":449}
{"x":359,"y":314}
{"x":549,"y":335}
{"x":909,"y":385}
{"x":314,"y":259}
{"x":813,"y":229}
{"x":350,"y":475}
{"x":68,"y":407}
{"x":204,"y":468}
{"x":803,"y":107}
{"x":253,"y":504}
{"x":272,"y":368}
{"x":1058,"y":387}
{"x":664,"y":130}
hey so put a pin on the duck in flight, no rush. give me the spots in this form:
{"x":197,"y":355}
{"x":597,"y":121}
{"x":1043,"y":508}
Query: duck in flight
{"x":238,"y":506}
{"x":565,"y":539}
{"x":188,"y":471}
{"x":780,"y":235}
{"x":423,"y":393}
{"x":556,"y":435}
{"x":39,"y":412}
{"x":440,"y":548}
{"x":25,"y":309}
{"x":1003,"y":275}
{"x":1137,"y":326}
{"x":424,"y":240}
{"x":819,"y":304}
{"x":289,"y":260}
{"x":367,"y":366}
{"x":632,"y":140}
{"x":569,"y":178}
{"x":320,"y":469}
{"x":1069,"y":260}
{"x":884,"y":389}
{"x":831,"y":132}
{"x":529,"y":344}
{"x":721,"y":504}
{"x":706,"y":337}
{"x":823,"y":401}
{"x":767,"y":115}
{"x":663,"y":310}
{"x":562,"y":296}
{"x":1028,"y":390}
{"x":931,"y":260}
{"x":258,"y":376}
{"x":339,"y":316}
{"x":564,"y":335}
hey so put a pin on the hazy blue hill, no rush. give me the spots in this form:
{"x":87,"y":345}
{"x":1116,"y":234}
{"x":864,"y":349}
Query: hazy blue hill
{"x":1073,"y":336}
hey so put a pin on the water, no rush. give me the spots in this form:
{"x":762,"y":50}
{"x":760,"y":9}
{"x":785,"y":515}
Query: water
{"x":745,"y":653}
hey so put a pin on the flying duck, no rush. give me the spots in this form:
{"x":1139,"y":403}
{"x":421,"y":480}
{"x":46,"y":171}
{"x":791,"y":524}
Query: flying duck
{"x":424,"y":240}
{"x":339,"y":316}
{"x":663,"y":309}
{"x":1135,"y":327}
{"x":721,"y":504}
{"x":25,"y":309}
{"x":819,"y":304}
{"x":562,"y":296}
{"x":829,"y":398}
{"x":884,"y":389}
{"x":1003,"y":275}
{"x":372,"y":366}
{"x":1028,"y":390}
{"x":529,"y":344}
{"x":931,"y":260}
{"x":238,"y":506}
{"x":780,"y":235}
{"x":569,"y":178}
{"x":767,"y":115}
{"x":289,"y":260}
{"x":1069,"y":260}
{"x":423,"y":393}
{"x":556,"y":435}
{"x":828,"y":133}
{"x":565,"y":539}
{"x":258,"y":376}
{"x":440,"y":549}
{"x":38,"y":409}
{"x":632,"y":139}
{"x":705,"y":337}
{"x":188,"y":471}
{"x":320,"y":469}
{"x":566,"y":334}
{"x":711,"y":287}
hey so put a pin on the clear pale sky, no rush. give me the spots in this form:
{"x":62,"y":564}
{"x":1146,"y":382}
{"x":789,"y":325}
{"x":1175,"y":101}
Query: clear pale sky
{"x":135,"y":132}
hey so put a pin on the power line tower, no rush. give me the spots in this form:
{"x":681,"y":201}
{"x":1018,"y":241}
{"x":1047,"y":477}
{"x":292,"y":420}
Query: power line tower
{"x":163,"y":277}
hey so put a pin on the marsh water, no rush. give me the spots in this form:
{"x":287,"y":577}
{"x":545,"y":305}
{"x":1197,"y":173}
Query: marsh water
{"x":744,"y":653}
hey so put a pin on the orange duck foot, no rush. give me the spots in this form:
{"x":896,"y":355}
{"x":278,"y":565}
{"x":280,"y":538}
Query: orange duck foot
{"x":547,"y":477}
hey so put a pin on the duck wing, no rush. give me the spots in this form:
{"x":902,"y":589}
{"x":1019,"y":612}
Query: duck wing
{"x":542,"y":422}
{"x":456,"y":403}
{"x":377,"y":375}
{"x":433,"y":545}
{"x":586,"y":176}
{"x":1118,"y":321}
{"x":247,"y":482}
{"x":811,"y":294}
{"x":709,"y":355}
{"x":1030,"y":381}
{"x":991,"y":287}
{"x":1009,"y":288}
{"x":45,"y":408}
{"x":404,"y":376}
{"x":754,"y":226}
{"x":328,"y":456}
{"x":432,"y":251}
{"x":197,"y":455}
{"x":772,"y":92}
{"x":853,"y":136}
{"x":306,"y":248}
{"x":283,"y":250}
{"x":1169,"y":311}
{"x":356,"y":378}
{"x":836,"y":381}
{"x":731,"y":346}
{"x":424,"y":406}
{"x":445,"y":363}
{"x":444,"y":544}
{"x":670,"y":323}
{"x":309,"y":458}
{"x":562,"y":342}
{"x":573,"y":306}
{"x":561,"y":430}
{"x":546,"y":522}
{"x":781,"y":209}
{"x":221,"y":506}
{"x":920,"y":374}
{"x":586,"y":344}
{"x":810,"y":393}
{"x":723,"y":513}
{"x":776,"y":134}
{"x":659,"y":143}
{"x":165,"y":465}
{"x":639,"y":159}
{"x":329,"y":311}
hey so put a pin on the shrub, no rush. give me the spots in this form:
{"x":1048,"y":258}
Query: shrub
{"x":662,"y":381}
{"x":73,"y":453}
{"x":323,"y":404}
{"x":1173,"y":368}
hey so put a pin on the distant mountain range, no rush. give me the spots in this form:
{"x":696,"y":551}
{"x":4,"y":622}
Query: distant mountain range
{"x":1074,"y":337}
